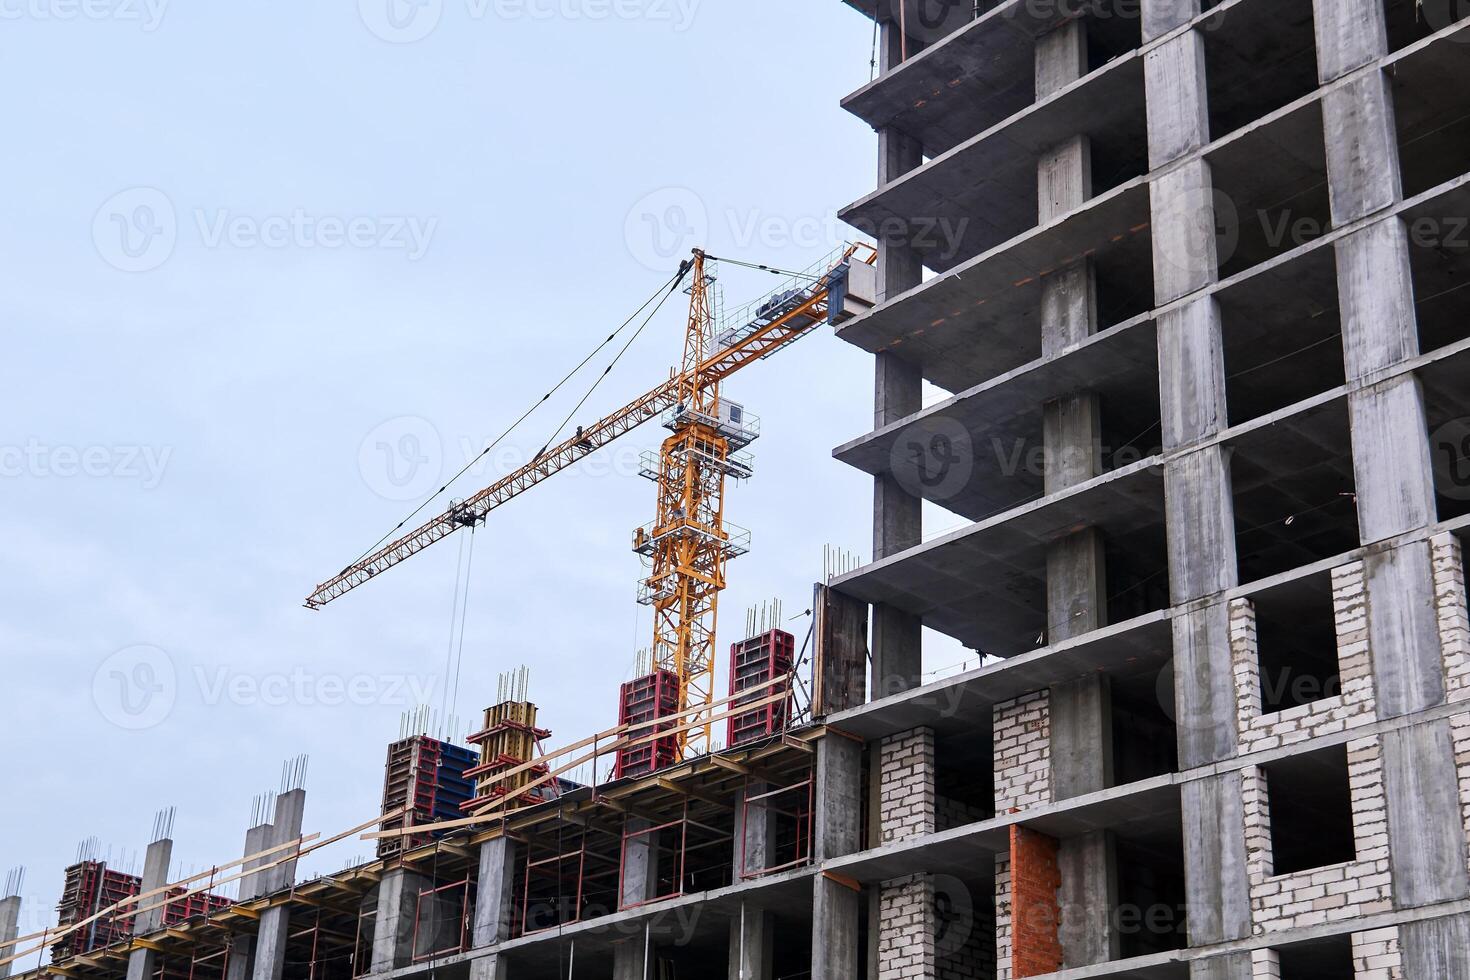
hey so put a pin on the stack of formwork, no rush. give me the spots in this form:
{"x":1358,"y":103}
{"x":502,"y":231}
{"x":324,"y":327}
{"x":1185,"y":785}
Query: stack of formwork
{"x":754,"y":664}
{"x":640,"y":701}
{"x":429,"y":781}
{"x":90,"y":887}
{"x":508,"y":741}
{"x":183,"y":906}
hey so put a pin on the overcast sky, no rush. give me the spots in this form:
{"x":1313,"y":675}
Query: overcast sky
{"x":272,"y":271}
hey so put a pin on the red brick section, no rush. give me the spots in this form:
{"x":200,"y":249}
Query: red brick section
{"x":1036,"y":948}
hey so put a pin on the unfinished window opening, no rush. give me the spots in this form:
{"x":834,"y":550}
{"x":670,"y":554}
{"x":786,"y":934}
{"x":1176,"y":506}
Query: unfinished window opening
{"x":1259,"y":56}
{"x":1321,"y":959}
{"x":1137,"y":572}
{"x":1293,"y":487}
{"x":1264,"y":211}
{"x":1446,"y":388}
{"x":1311,"y":808}
{"x":1125,"y":282}
{"x":1409,"y":21}
{"x":1432,"y":126}
{"x":964,"y":767}
{"x":1152,"y":909}
{"x":1297,"y":643}
{"x":1439,"y":256}
{"x":1145,"y":741}
{"x":964,"y":920}
{"x":570,"y":873}
{"x":1282,"y":332}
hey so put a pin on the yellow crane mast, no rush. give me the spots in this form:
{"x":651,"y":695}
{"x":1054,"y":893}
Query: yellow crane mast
{"x":689,"y":542}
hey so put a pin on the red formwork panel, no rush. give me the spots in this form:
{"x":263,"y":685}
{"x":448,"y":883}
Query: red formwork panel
{"x":642,"y":700}
{"x":754,"y":663}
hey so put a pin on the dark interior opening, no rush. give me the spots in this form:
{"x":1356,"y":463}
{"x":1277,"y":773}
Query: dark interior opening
{"x":1294,"y":491}
{"x":1413,"y":20}
{"x":1297,"y":639}
{"x":1152,"y":910}
{"x":1446,"y":387}
{"x":964,"y":774}
{"x":1113,"y":28}
{"x":1311,"y":811}
{"x":1439,"y":257}
{"x":1429,"y":114}
{"x":1259,"y":57}
{"x":1145,"y":741}
{"x":1320,"y":959}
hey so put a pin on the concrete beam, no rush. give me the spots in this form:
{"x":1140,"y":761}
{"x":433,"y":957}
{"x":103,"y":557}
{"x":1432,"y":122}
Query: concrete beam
{"x":1216,"y":884}
{"x":1426,"y":828}
{"x":752,"y":945}
{"x":495,"y":896}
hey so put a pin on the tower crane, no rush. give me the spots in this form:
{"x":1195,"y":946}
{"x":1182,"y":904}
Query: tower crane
{"x":689,"y":542}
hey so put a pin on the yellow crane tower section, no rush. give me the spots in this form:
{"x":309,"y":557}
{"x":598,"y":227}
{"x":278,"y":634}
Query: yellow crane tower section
{"x":689,"y":542}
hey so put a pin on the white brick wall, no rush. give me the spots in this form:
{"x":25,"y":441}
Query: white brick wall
{"x":1337,"y":892}
{"x":1460,"y":731}
{"x":1376,"y":955}
{"x":1002,"y":917}
{"x":1454,"y":619}
{"x":1023,"y":752}
{"x":1265,"y":964}
{"x":906,"y":799}
{"x":1353,"y":705}
{"x":906,"y":929}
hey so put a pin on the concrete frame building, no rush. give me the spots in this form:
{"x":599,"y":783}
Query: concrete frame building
{"x":1187,"y":282}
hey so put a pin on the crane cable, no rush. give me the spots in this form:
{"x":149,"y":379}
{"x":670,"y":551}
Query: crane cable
{"x":674,"y":280}
{"x":766,"y":268}
{"x":678,"y":278}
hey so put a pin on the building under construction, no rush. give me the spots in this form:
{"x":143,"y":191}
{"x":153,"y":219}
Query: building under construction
{"x":1192,"y":276}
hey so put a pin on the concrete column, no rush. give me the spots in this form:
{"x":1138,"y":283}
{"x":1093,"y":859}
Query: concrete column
{"x":496,"y":891}
{"x":835,"y":909}
{"x":143,"y":963}
{"x":398,"y":895}
{"x":492,"y":967}
{"x":275,"y":922}
{"x":841,"y":660}
{"x":1350,"y":34}
{"x":631,"y":958}
{"x":640,"y":865}
{"x":752,"y":945}
{"x":1089,"y":894}
{"x":1178,"y":101}
{"x":755,"y":833}
{"x":1216,"y":883}
{"x":1162,"y":16}
{"x":836,"y":831}
{"x":1438,"y":948}
{"x":9,"y":929}
{"x":1426,"y":830}
{"x":1231,"y":966}
{"x":240,"y":962}
{"x":1362,"y":147}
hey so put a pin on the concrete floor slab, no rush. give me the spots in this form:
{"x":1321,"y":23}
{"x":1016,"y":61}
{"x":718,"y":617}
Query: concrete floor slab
{"x":996,"y":425}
